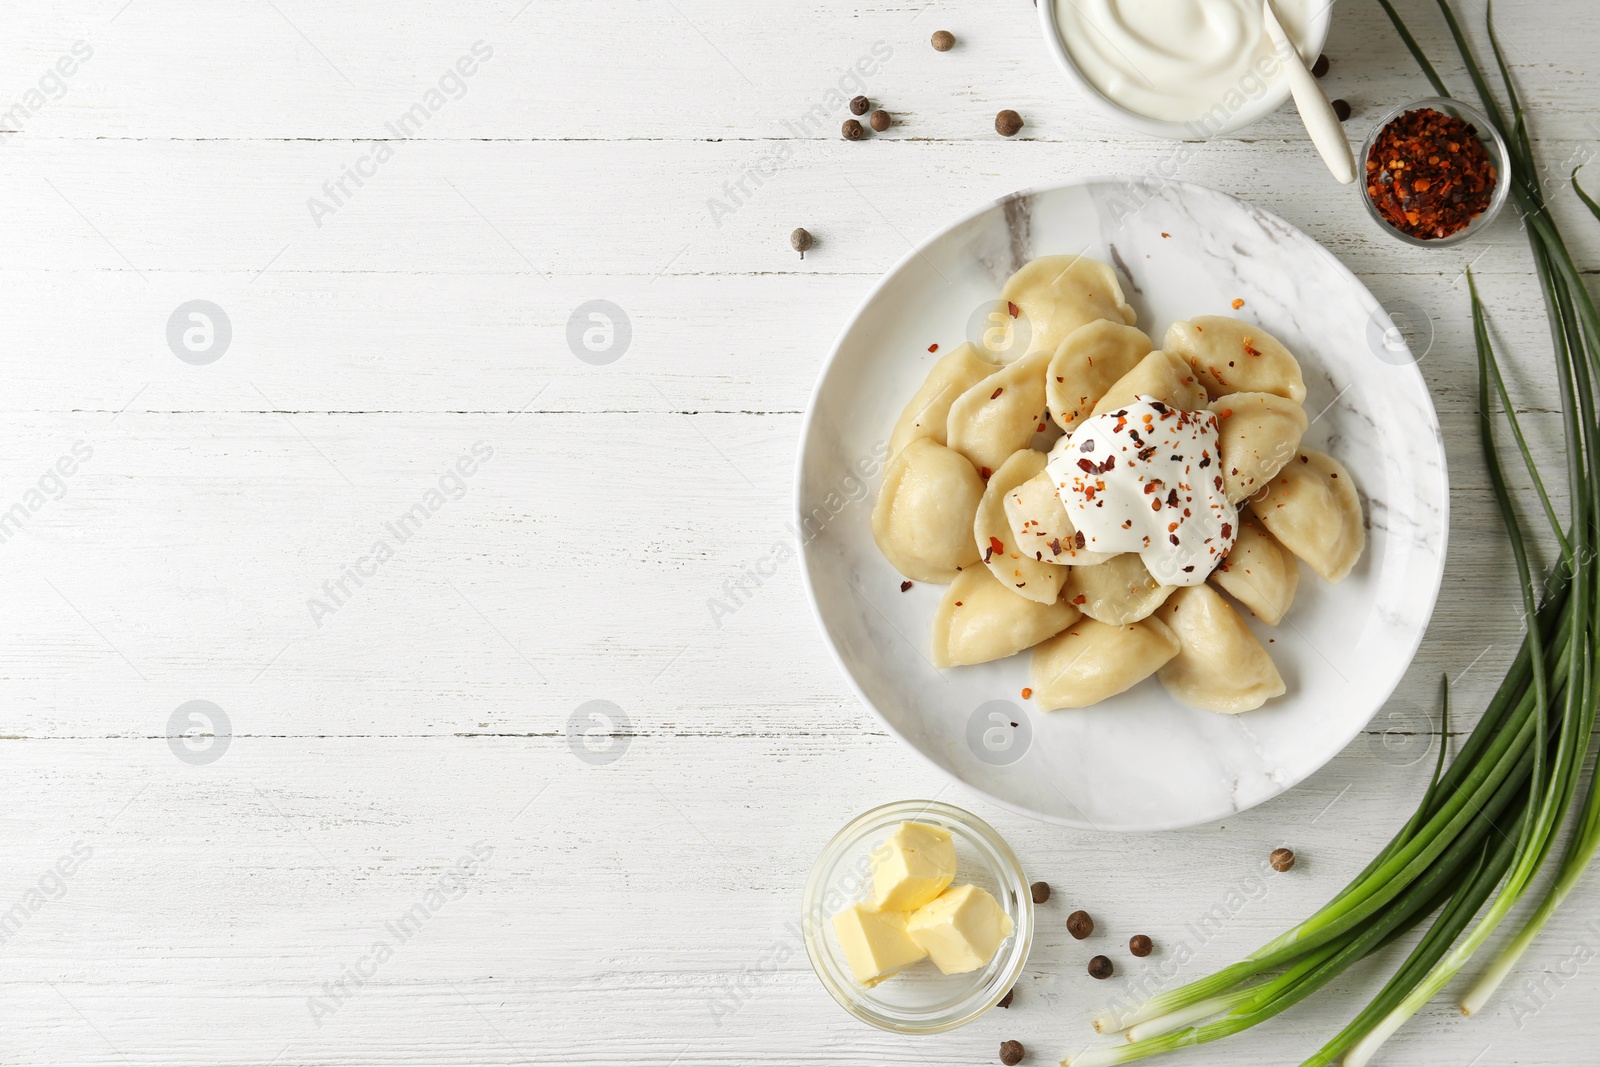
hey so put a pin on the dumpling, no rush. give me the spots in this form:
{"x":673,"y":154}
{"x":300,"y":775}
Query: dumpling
{"x":999,"y":415}
{"x":993,"y":538}
{"x":981,"y":620}
{"x":1234,"y":356}
{"x":1056,"y":295}
{"x":1161,"y":376}
{"x":1088,"y":363}
{"x":923,"y":518}
{"x":1117,"y":592}
{"x":1312,"y":508}
{"x":1257,"y":434}
{"x":1259,"y":573}
{"x":1220,"y":665}
{"x":1090,"y":661}
{"x":1040,"y":526}
{"x":929,"y":410}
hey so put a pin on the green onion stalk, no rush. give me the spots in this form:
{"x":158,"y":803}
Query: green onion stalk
{"x":1487,"y":825}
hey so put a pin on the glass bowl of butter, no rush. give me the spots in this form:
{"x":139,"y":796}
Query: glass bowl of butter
{"x":917,"y":917}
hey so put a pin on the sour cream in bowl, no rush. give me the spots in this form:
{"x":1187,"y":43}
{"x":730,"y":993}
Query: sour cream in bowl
{"x":1184,"y":69}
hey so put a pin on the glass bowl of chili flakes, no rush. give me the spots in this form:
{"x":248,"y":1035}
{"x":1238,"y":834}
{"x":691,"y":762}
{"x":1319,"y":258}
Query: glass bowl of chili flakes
{"x":1434,"y":172}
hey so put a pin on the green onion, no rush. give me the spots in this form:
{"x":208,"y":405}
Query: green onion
{"x":1487,"y":825}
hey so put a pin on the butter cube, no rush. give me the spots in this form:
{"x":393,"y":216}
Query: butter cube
{"x":960,"y":929}
{"x":875,"y":942}
{"x":912,"y":866}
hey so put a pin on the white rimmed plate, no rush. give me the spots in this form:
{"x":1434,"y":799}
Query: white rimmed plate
{"x":1140,"y":761}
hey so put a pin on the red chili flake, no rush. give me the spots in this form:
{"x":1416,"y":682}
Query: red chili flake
{"x":1227,"y":530}
{"x":1013,"y":309}
{"x":1055,"y":545}
{"x":1173,"y":538}
{"x":933,"y":348}
{"x":1026,"y":692}
{"x":996,"y":394}
{"x":985,"y":473}
{"x":1165,"y":234}
{"x":1428,"y":174}
{"x":1250,"y":348}
{"x":904,"y":586}
{"x":958,"y":603}
{"x":996,"y":545}
{"x":1089,"y":466}
{"x":1172,"y":499}
{"x":1078,"y":539}
{"x":1238,"y":302}
{"x":1080,"y":599}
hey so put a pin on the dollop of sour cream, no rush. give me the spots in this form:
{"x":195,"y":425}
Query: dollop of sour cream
{"x":1146,"y":478}
{"x":1178,"y":60}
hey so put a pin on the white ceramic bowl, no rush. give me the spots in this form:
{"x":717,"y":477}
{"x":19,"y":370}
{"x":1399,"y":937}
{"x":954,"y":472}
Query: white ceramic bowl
{"x":1254,"y":108}
{"x":1141,"y":760}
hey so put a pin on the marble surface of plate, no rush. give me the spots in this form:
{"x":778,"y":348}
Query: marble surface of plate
{"x":1140,"y":761}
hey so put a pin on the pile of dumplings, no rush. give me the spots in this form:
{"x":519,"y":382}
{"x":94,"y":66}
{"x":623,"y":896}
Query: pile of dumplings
{"x":965,"y":496}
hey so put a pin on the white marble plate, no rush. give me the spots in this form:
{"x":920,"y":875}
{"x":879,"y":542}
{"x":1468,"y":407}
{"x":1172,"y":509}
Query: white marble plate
{"x":1140,"y":761}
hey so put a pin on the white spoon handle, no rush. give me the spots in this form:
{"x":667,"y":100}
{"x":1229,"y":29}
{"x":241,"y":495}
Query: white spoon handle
{"x":1326,"y":131}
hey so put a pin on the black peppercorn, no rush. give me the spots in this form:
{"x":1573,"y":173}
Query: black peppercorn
{"x":800,"y":240}
{"x":1007,"y":123}
{"x":879,"y":120}
{"x":1320,"y":67}
{"x":1011,"y":1053}
{"x":860,"y":105}
{"x":1005,"y":1001}
{"x":943,"y":40}
{"x":1341,"y":108}
{"x":852,"y":130}
{"x":1040,"y":891}
{"x":1079,"y":925}
{"x":1140,"y":945}
{"x":1100,"y":968}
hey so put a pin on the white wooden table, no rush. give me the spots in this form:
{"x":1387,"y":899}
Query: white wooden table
{"x":635,"y":903}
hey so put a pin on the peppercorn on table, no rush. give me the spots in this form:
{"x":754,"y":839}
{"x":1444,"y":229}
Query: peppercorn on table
{"x":407,"y":660}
